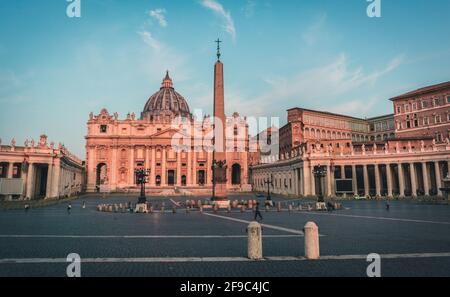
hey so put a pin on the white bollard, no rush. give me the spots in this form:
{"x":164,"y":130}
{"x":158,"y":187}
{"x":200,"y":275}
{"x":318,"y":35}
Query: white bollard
{"x":312,"y":249}
{"x":254,"y":241}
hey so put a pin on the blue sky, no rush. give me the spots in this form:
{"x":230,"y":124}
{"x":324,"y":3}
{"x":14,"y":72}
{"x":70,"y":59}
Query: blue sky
{"x":278,"y":54}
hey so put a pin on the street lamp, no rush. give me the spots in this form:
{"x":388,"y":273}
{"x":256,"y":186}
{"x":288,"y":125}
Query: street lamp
{"x":319,"y":172}
{"x":141,"y":179}
{"x":269,"y":183}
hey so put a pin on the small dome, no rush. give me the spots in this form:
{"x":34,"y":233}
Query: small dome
{"x":166,"y":102}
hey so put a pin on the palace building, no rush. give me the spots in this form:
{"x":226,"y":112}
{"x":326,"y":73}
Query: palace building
{"x":398,"y":155}
{"x":39,"y":171}
{"x":116,"y":147}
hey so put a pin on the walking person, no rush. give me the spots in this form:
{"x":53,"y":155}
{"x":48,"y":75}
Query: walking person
{"x":257,"y":212}
{"x":27,"y":207}
{"x":84,"y":205}
{"x":69,"y":208}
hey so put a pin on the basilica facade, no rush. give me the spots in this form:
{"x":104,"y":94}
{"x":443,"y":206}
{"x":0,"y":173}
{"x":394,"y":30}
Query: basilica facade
{"x":166,"y":139}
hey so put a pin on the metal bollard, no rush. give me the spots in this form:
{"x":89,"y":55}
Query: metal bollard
{"x":312,"y":249}
{"x":254,"y":243}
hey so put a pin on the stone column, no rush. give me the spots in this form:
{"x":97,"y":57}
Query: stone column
{"x":426,"y":180}
{"x":438,"y":174}
{"x":189,"y":168}
{"x":301,"y":182}
{"x":329,"y":179}
{"x":354,"y":180}
{"x":30,"y":181}
{"x":401,"y":180}
{"x":56,"y":178}
{"x":91,"y":170}
{"x":377,"y":180}
{"x":194,"y":168}
{"x":147,"y":158}
{"x":10,"y":170}
{"x":342,"y":171}
{"x":153,"y":167}
{"x":307,"y":178}
{"x":412,"y":170}
{"x":178,"y":182}
{"x":366,"y":180}
{"x":131,"y":179}
{"x":48,"y":192}
{"x":389,"y":180}
{"x":312,"y":181}
{"x":209,"y":169}
{"x":10,"y":175}
{"x":113,"y":162}
{"x":163,"y":166}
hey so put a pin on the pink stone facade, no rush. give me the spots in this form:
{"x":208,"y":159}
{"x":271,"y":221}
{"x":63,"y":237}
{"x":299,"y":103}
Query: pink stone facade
{"x":116,"y":147}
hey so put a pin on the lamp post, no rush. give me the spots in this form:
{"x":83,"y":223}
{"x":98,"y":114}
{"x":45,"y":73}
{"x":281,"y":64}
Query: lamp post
{"x":141,"y":179}
{"x":320,"y":172}
{"x":269,"y":183}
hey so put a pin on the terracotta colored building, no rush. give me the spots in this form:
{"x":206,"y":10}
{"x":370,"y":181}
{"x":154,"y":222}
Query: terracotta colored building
{"x":39,"y":171}
{"x":424,"y":112}
{"x":392,"y":156}
{"x":116,"y":147}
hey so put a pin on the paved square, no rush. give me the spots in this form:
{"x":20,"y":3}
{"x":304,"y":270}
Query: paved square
{"x":412,"y":239}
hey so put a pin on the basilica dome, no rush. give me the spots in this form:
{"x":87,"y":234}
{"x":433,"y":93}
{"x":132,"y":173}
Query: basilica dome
{"x":166,"y":103}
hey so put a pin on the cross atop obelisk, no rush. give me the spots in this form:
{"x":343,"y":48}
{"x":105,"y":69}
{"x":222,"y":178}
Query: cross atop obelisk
{"x":218,"y":41}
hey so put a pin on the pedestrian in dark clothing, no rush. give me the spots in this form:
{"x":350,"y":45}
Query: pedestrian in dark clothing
{"x":388,"y":206}
{"x":69,"y":208}
{"x":27,"y":207}
{"x":257,"y":212}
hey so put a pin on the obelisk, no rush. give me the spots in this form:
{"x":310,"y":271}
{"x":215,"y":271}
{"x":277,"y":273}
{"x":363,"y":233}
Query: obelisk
{"x":219,"y":155}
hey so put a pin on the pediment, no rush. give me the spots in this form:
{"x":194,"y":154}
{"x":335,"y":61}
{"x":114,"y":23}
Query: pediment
{"x":169,"y":134}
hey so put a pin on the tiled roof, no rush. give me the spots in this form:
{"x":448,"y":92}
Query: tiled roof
{"x":425,"y":90}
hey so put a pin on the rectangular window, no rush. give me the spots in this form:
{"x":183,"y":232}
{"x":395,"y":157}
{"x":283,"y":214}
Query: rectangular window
{"x":414,"y":106}
{"x":436,"y":102}
{"x":424,"y":104}
{"x":103,"y":128}
{"x":438,"y":119}
{"x":448,"y":99}
{"x":399,"y":109}
{"x":406,"y":107}
{"x":426,"y":121}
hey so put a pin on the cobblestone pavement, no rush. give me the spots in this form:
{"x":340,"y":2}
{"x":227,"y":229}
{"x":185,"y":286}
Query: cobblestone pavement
{"x":363,"y":227}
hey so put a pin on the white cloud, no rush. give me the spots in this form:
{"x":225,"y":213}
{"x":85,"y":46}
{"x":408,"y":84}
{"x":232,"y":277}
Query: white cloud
{"x":218,"y":9}
{"x":150,"y":40}
{"x":327,"y":87}
{"x":159,"y":15}
{"x":314,"y":32}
